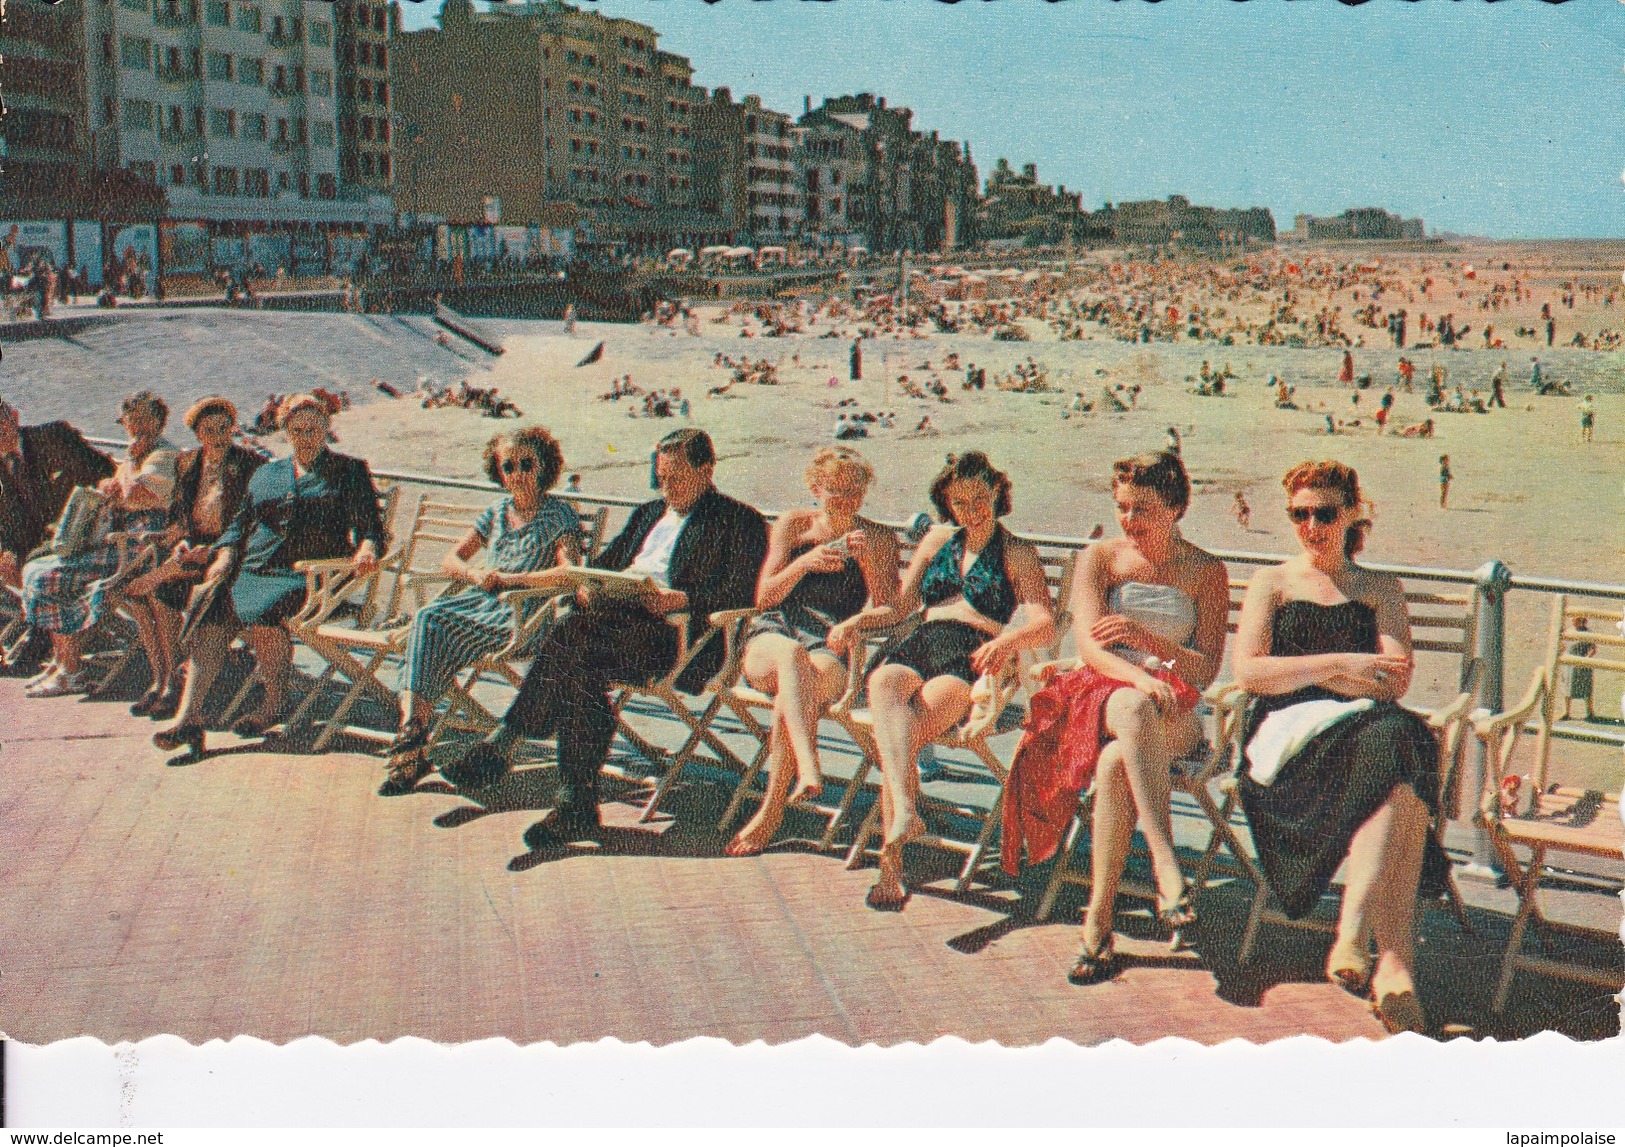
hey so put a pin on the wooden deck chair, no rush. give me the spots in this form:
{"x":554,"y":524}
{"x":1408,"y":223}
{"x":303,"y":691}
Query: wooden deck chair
{"x":329,"y":588}
{"x":736,"y":695}
{"x":357,"y":651}
{"x":115,"y":640}
{"x":1560,"y":664}
{"x":1552,"y":819}
{"x":1193,"y":775}
{"x":1448,"y":724}
{"x":993,"y":711}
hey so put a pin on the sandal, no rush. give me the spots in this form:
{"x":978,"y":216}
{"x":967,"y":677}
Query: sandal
{"x":1350,"y":969}
{"x":1400,"y":1012}
{"x":1179,"y":917}
{"x":877,"y":904}
{"x":1093,"y":967}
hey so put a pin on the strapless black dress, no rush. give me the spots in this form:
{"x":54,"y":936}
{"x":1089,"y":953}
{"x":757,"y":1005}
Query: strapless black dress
{"x":1302,"y":823}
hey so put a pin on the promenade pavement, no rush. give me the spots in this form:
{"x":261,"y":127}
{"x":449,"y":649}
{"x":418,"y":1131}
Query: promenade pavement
{"x":268,"y":891}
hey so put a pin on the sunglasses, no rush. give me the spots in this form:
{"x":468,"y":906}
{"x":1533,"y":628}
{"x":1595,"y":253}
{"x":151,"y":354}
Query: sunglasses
{"x":518,"y":465}
{"x":1323,"y":515}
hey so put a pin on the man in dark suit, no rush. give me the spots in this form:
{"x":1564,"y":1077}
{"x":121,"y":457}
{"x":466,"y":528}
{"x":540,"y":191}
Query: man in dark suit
{"x":39,"y":467}
{"x":704,"y":550}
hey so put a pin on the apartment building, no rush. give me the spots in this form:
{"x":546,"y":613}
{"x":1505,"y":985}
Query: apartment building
{"x":363,"y":32}
{"x":561,"y":116}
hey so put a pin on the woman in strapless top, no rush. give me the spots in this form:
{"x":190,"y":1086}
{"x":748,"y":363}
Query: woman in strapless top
{"x":823,"y":565}
{"x":1343,"y":773}
{"x":1149,"y":601}
{"x":970,"y":578}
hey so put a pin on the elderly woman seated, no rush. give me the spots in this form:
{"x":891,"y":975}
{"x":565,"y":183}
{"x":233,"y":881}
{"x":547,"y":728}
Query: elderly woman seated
{"x":970,"y":577}
{"x":66,"y":595}
{"x":523,"y":533}
{"x":315,"y":504}
{"x":823,"y":565}
{"x":209,"y":487}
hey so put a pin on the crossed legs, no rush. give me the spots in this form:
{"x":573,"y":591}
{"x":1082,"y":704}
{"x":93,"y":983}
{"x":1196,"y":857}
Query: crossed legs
{"x":909,"y":713}
{"x":1132,"y":785}
{"x":1379,"y":899}
{"x":802,"y":685}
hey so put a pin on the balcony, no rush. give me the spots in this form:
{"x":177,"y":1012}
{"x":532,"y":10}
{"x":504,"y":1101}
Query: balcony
{"x":181,"y":75}
{"x":166,"y":19}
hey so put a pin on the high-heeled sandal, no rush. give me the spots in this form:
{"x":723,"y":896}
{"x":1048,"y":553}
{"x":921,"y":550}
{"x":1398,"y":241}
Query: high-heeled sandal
{"x":189,"y":736}
{"x":1179,"y":917}
{"x":408,"y":760}
{"x":250,"y":728}
{"x":143,"y":707}
{"x":167,"y":705}
{"x":1096,"y":966}
{"x":1350,"y":969}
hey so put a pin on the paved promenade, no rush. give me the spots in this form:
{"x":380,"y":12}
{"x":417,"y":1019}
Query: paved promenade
{"x":270,"y":892}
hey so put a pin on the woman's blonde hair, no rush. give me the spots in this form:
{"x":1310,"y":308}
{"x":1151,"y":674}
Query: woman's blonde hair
{"x":832,"y":461}
{"x":208,"y":408}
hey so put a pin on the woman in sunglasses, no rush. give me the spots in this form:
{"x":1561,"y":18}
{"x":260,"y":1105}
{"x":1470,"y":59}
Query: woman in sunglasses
{"x":527,"y":536}
{"x":1335,"y":770}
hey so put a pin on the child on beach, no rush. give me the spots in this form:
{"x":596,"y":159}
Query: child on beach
{"x":1444,"y":481}
{"x":1580,"y":676}
{"x":1588,"y":418}
{"x":1242,"y":511}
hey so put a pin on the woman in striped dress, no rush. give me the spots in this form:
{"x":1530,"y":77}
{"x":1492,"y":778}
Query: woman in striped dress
{"x":527,"y":536}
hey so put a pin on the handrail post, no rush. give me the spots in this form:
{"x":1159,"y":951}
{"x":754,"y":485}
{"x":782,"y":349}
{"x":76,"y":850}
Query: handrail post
{"x":1490,"y":584}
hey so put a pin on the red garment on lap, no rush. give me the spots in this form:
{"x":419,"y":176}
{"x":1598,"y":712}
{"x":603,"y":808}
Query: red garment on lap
{"x":1060,"y":747}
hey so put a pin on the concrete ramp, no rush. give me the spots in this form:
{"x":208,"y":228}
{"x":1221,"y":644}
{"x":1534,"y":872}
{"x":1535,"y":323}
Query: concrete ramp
{"x":467,"y":328}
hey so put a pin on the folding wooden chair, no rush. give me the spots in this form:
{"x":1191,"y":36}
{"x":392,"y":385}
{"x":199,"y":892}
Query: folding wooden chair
{"x":735,"y":695}
{"x":1552,"y":818}
{"x":332,"y":588}
{"x":1448,"y":725}
{"x":1193,"y":776}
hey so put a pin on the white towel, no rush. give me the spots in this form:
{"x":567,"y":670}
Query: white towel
{"x":1284,"y":732}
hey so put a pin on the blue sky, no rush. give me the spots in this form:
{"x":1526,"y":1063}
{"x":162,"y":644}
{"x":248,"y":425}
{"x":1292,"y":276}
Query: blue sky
{"x":1501,"y":119}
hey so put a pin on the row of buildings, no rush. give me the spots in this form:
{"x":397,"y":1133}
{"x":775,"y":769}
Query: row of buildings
{"x":1355,"y":223}
{"x":190,"y":134}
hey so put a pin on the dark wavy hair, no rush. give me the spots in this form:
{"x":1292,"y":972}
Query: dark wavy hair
{"x":540,"y":442}
{"x":973,"y":465}
{"x":1161,"y":472}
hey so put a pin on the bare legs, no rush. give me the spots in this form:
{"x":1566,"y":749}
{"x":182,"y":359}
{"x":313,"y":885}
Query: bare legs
{"x":802,"y":686}
{"x":207,"y":659}
{"x":273,"y":654}
{"x":1132,"y":784}
{"x":159,"y":628}
{"x":1379,"y":900}
{"x":908,"y":714}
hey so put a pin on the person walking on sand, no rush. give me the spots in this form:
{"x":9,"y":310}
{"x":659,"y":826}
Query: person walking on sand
{"x":1346,"y":375}
{"x":1444,"y":481}
{"x":1498,"y":385}
{"x":1534,"y":374}
{"x":1242,"y":511}
{"x":1588,"y":418}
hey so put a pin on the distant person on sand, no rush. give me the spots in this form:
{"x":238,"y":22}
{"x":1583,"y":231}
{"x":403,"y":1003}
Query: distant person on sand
{"x":1498,"y":385}
{"x":1242,"y":511}
{"x":569,"y":318}
{"x":1444,"y":481}
{"x":1588,"y":418}
{"x":1174,"y":445}
{"x":1580,"y":676}
{"x":855,"y":372}
{"x":1346,"y":375}
{"x":1534,"y":374}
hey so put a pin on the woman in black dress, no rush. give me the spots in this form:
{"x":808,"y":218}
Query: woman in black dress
{"x":1335,"y":770}
{"x":823,"y":566}
{"x":313,"y":505}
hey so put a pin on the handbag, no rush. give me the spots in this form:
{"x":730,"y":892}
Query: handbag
{"x":82,"y":523}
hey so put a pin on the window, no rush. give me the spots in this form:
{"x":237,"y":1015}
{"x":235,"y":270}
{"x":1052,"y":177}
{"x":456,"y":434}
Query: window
{"x":383,"y":166}
{"x":321,"y":82}
{"x":222,"y":123}
{"x":251,"y":70}
{"x":321,"y":134}
{"x":219,"y":66}
{"x":256,"y":182}
{"x":138,"y":115}
{"x":253,"y":125}
{"x":248,"y":18}
{"x":380,"y":56}
{"x":321,"y":33}
{"x":379,"y":15}
{"x":366,"y":127}
{"x":225,"y":181}
{"x":177,"y":175}
{"x":217,"y":13}
{"x":135,"y":52}
{"x":327,"y":186}
{"x":366,"y":163}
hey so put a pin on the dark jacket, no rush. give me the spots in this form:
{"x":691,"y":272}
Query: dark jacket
{"x":56,"y":458}
{"x":240,"y":466}
{"x":715,"y":562}
{"x":325,"y":514}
